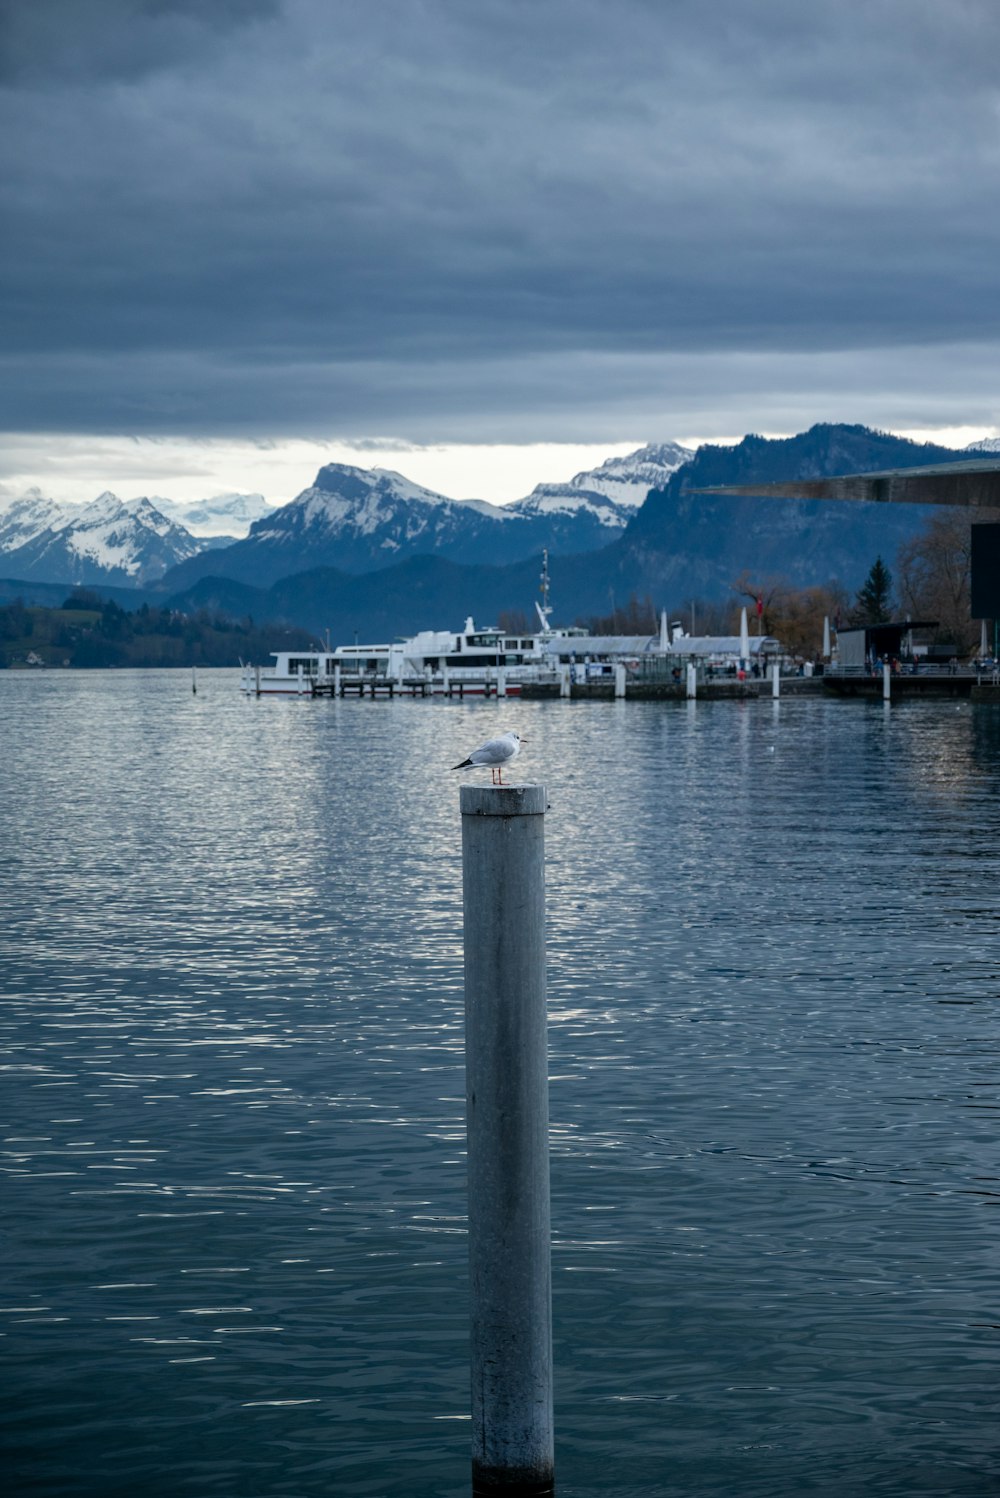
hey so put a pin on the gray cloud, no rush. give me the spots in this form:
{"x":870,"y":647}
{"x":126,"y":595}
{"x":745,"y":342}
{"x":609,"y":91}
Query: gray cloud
{"x":501,"y":219}
{"x":46,"y":41}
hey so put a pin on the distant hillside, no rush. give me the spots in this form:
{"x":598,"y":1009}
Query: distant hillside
{"x":682,"y":543}
{"x":90,"y":632}
{"x":420,"y":593}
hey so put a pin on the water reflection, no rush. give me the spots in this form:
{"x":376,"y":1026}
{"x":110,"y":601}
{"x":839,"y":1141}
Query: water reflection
{"x":233,"y":1117}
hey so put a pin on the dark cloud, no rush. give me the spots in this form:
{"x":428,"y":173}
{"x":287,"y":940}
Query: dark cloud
{"x":47,"y":41}
{"x":328,"y":217}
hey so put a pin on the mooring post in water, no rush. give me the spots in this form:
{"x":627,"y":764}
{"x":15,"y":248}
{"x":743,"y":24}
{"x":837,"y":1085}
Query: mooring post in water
{"x":886,"y":683}
{"x":692,"y":681}
{"x":775,"y":679}
{"x":508,"y":1135}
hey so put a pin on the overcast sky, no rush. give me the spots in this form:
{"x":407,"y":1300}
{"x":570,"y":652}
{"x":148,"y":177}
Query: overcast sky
{"x":229,"y":225}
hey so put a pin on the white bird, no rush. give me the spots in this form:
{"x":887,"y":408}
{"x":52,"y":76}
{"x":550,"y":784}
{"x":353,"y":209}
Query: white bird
{"x":495,"y":753}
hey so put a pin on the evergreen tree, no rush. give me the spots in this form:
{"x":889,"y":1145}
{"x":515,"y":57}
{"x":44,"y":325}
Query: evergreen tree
{"x":873,"y":604}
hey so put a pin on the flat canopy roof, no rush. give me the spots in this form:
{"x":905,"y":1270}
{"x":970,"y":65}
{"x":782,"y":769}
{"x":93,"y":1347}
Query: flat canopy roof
{"x":971,"y":485}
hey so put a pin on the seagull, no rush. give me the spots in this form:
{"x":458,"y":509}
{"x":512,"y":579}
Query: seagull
{"x":495,"y":753}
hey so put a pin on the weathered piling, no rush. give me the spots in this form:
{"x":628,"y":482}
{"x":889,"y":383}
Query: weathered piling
{"x":692,"y":681}
{"x":775,"y":679}
{"x":886,"y":683}
{"x":508,"y":1139}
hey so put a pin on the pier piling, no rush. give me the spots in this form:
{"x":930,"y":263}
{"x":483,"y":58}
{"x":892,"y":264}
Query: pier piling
{"x":508,"y":1143}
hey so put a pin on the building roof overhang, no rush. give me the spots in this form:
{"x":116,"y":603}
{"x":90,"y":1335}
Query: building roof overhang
{"x":970,"y":485}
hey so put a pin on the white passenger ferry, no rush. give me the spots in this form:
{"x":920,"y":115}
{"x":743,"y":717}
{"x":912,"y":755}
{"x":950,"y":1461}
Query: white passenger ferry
{"x":477,"y":662}
{"x":470,"y":661}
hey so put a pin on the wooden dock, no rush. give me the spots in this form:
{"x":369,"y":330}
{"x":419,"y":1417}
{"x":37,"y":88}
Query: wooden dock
{"x":386,"y":688}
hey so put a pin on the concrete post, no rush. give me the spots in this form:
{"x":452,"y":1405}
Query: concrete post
{"x":501,"y":681}
{"x":507,"y":1112}
{"x":336,"y":680}
{"x":775,"y":679}
{"x":564,"y":681}
{"x":692,"y":681}
{"x":886,"y":684}
{"x":619,"y":681}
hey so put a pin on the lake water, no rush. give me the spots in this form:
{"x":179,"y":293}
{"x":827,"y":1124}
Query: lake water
{"x":232,"y":1104}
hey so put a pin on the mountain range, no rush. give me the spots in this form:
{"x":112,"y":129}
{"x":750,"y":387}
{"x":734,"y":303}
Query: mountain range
{"x":353,"y":518}
{"x":677,"y":546}
{"x":109,"y":541}
{"x":367,"y":549}
{"x":360,"y":519}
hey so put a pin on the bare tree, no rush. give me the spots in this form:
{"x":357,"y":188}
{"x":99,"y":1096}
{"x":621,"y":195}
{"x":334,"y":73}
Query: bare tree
{"x":638,"y":617}
{"x":763,"y":594}
{"x":934,"y":573}
{"x":797,"y":616}
{"x":515,"y":622}
{"x":794,"y":616}
{"x":703,"y":616}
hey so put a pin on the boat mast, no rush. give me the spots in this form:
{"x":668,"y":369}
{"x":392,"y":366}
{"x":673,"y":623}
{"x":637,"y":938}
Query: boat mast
{"x":545,"y":608}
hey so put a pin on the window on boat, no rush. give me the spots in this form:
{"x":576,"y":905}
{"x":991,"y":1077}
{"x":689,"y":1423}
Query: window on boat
{"x":306,"y":663}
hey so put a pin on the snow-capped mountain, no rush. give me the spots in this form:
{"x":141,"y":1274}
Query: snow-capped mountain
{"x":613,"y":492}
{"x":26,"y":517}
{"x":357,"y":519}
{"x":986,"y":445}
{"x":360,"y":519}
{"x":366,"y":502}
{"x":222,"y":515}
{"x":108,"y":541}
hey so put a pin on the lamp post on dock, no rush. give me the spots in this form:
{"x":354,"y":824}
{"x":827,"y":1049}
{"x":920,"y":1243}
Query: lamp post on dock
{"x":508,"y":1137}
